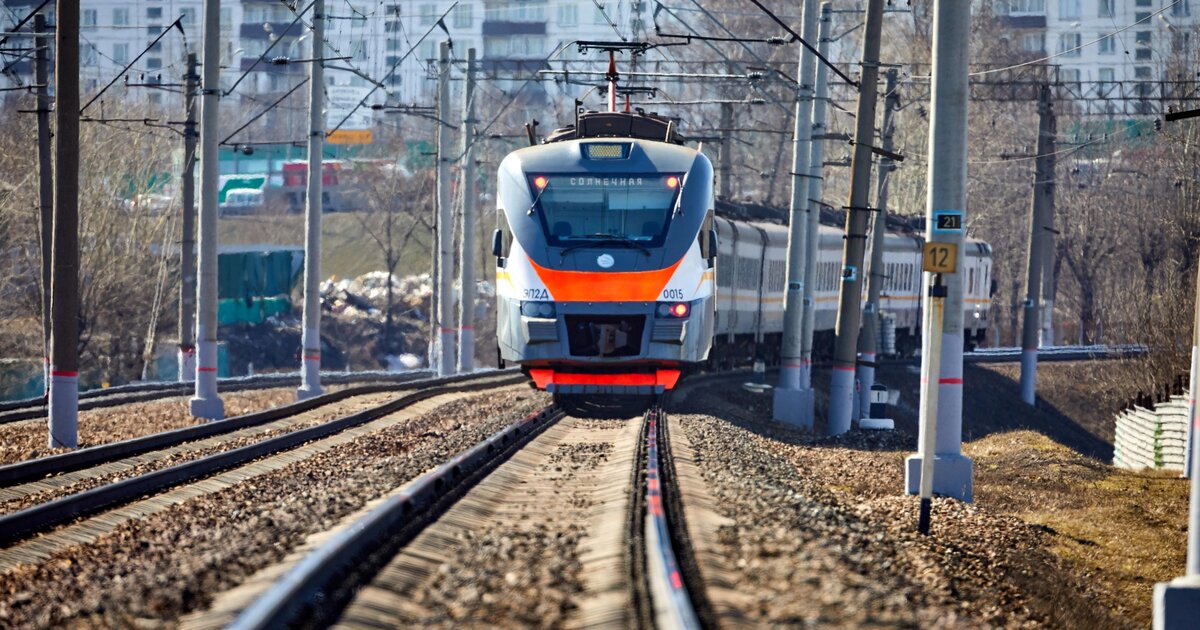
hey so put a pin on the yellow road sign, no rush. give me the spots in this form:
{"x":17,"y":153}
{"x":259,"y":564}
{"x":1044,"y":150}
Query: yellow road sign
{"x":350,"y":136}
{"x":940,"y":258}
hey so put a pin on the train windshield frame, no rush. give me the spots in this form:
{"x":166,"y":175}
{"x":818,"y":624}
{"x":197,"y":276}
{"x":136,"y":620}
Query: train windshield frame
{"x":577,"y":209}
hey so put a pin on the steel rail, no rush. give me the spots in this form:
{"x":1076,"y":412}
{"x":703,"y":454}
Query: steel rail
{"x":316,"y":585}
{"x":21,"y":524}
{"x":32,"y":408}
{"x":673,"y":594}
{"x":41,"y":467}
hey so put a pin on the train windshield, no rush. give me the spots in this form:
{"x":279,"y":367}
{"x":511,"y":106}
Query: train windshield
{"x":576,"y":209}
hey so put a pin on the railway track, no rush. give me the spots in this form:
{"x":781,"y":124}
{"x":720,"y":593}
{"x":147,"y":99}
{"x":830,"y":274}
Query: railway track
{"x":583,"y":513}
{"x":111,"y":499}
{"x":31,"y":408}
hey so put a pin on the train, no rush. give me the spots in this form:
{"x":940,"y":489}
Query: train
{"x":615,"y":278}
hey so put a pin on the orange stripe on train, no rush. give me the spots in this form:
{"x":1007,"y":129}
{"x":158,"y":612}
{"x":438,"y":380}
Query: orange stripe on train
{"x":605,"y":286}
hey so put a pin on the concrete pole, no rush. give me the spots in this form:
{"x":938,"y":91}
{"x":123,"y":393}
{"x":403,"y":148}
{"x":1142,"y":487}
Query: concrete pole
{"x":724,"y":175}
{"x":1031,"y":323}
{"x":816,"y":186}
{"x":206,"y":403}
{"x":1177,"y":603}
{"x":466,"y":259}
{"x":790,"y":399}
{"x":1049,"y":286}
{"x":845,"y":348}
{"x":445,"y":222}
{"x":947,"y":186}
{"x":310,"y":363}
{"x":187,"y":244}
{"x":64,"y":285}
{"x":868,"y":345}
{"x":41,"y":65}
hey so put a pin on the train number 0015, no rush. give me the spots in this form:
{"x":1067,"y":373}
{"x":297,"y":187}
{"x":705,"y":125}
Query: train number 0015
{"x":672,"y":294}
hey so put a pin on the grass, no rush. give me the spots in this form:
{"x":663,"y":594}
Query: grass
{"x":1125,"y":530}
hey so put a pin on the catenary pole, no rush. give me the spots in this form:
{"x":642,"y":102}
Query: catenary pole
{"x":310,"y":362}
{"x":187,"y":244}
{"x":845,"y":347}
{"x":1177,"y":603}
{"x":816,"y":186}
{"x":466,"y":306}
{"x":869,"y":346}
{"x":1030,"y":321}
{"x":64,"y":285}
{"x":41,"y":65}
{"x":946,"y":184}
{"x":207,"y":403}
{"x":445,"y":221}
{"x":1049,"y":286}
{"x":790,"y":399}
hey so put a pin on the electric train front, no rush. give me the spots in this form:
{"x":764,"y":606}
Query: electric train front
{"x":605,"y":254}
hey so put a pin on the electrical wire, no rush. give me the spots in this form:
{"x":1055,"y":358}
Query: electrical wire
{"x":263,"y":57}
{"x":796,"y":36}
{"x":175,"y":24}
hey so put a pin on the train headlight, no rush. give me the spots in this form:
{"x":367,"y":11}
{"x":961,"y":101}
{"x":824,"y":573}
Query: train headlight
{"x":538,"y":309}
{"x":676,"y":310}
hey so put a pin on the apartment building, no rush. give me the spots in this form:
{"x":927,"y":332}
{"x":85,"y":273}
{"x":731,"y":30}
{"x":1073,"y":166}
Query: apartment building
{"x":1097,"y":41}
{"x":372,"y":41}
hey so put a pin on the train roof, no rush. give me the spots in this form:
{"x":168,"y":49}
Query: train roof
{"x":637,"y":125}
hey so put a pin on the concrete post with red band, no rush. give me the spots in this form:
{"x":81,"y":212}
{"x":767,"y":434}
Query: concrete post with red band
{"x":310,"y":362}
{"x":206,"y":403}
{"x":816,"y":186}
{"x":791,"y":399}
{"x":947,"y":186}
{"x":466,"y":264}
{"x":64,"y":404}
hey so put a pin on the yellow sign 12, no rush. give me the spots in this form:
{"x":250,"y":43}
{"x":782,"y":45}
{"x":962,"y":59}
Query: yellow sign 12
{"x":940,"y":258}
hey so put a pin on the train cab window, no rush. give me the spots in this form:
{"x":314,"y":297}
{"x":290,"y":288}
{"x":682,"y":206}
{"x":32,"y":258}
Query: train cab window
{"x":576,"y":209}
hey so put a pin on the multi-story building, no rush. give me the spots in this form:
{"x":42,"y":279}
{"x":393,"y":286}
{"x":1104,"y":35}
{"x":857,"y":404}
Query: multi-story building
{"x":1104,"y":41}
{"x":390,"y":43}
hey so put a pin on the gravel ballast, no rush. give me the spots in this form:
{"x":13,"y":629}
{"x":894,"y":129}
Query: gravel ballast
{"x":29,"y":494}
{"x":814,"y":544}
{"x":26,"y":439}
{"x":152,"y":570}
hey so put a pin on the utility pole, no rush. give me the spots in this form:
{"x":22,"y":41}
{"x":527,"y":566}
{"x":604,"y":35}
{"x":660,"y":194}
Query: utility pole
{"x":187,"y":244}
{"x":790,"y":398}
{"x":310,"y":362}
{"x":945,"y":220}
{"x":206,"y":403}
{"x":41,"y":65}
{"x":816,"y":185}
{"x":1049,"y":286}
{"x":1030,"y":322}
{"x":876,"y":276}
{"x":841,"y":387}
{"x":64,"y":286}
{"x":1176,"y":603}
{"x":466,"y":260}
{"x":445,"y":222}
{"x":724,"y":186}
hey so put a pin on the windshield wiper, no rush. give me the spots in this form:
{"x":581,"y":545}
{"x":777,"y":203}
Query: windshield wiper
{"x":536,"y":199}
{"x":606,"y":239}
